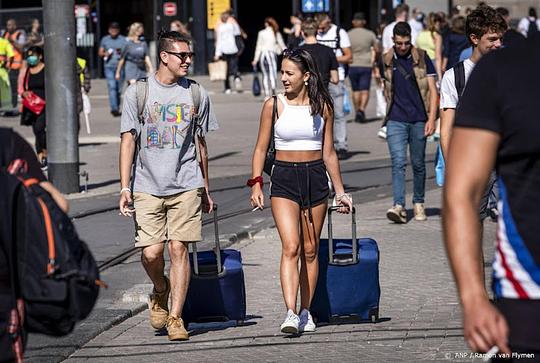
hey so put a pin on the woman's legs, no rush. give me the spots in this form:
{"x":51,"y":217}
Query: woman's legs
{"x":265,"y":68}
{"x":309,"y":263}
{"x":286,"y":215}
{"x":39,"y":129}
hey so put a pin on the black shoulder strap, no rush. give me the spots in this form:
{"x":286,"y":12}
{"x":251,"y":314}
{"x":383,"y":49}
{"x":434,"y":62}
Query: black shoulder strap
{"x":272,"y":145}
{"x":459,"y":78}
{"x":403,"y":71}
{"x":338,"y":37}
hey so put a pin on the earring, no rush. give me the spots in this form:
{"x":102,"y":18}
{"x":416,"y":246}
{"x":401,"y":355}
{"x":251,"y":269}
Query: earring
{"x":306,"y":83}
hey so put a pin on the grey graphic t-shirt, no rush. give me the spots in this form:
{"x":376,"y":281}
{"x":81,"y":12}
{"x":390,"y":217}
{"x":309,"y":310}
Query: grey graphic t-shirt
{"x":167,"y":163}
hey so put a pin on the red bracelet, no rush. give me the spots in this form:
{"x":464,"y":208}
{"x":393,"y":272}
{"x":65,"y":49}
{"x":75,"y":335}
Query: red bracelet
{"x":252,"y":182}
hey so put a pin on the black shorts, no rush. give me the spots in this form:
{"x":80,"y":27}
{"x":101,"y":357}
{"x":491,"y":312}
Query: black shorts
{"x":523,"y":318}
{"x":305,"y":183}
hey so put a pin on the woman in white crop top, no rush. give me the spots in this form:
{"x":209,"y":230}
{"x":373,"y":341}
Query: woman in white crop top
{"x":305,"y":155}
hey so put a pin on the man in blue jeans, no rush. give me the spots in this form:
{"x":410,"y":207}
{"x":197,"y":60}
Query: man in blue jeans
{"x":409,"y":82}
{"x":110,"y":49}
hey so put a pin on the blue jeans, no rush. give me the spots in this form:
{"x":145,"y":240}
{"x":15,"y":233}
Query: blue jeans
{"x":114,"y":86}
{"x":399,"y":135}
{"x":337,"y":92}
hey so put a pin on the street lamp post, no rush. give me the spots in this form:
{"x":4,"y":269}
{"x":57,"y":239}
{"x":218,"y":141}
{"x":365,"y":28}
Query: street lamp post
{"x":61,"y":94}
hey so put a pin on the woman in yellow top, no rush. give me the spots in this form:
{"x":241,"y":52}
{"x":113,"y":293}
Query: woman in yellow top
{"x":431,"y":41}
{"x":6,"y":56}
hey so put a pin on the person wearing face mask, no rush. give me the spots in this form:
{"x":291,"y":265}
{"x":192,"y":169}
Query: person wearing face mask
{"x":34,"y":82}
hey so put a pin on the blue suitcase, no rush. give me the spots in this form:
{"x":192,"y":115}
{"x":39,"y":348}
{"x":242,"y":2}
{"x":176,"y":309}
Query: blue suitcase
{"x":217,"y":290}
{"x":348,"y":287}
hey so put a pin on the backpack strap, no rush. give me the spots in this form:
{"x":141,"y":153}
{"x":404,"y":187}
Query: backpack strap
{"x":195,"y":89}
{"x":338,"y":37}
{"x":459,"y":78}
{"x":142,"y":95}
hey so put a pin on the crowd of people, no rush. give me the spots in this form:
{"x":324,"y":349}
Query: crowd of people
{"x":22,"y":78}
{"x":426,"y":68}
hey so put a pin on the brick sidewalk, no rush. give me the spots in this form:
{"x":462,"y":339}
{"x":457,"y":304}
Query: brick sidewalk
{"x":421,"y":318}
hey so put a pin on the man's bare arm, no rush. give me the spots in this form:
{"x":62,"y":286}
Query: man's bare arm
{"x":471,"y":158}
{"x":127,"y":152}
{"x":447,"y":122}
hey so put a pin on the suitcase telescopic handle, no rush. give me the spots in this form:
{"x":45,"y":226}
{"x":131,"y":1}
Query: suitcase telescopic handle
{"x":217,"y":249}
{"x":342,"y":259}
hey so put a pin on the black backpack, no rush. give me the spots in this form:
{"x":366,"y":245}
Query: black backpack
{"x":533,"y":27}
{"x":459,"y":78}
{"x":54,"y":272}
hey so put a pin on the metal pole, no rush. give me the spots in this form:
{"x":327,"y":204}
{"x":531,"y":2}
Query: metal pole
{"x":61,"y":94}
{"x":198,"y":32}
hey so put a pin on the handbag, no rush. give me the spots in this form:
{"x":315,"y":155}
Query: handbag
{"x":217,"y":70}
{"x":271,"y":152}
{"x":32,"y":101}
{"x":256,"y":86}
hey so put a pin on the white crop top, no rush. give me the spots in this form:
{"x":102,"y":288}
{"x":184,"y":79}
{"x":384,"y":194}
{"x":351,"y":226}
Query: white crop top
{"x":297,"y":129}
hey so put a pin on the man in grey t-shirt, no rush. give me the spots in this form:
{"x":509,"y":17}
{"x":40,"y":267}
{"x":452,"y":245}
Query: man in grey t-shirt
{"x":170,"y":187}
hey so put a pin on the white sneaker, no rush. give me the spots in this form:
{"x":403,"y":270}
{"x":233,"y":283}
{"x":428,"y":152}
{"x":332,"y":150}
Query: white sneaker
{"x":306,"y":322}
{"x":238,"y":85}
{"x":290,"y":325}
{"x":382,"y":133}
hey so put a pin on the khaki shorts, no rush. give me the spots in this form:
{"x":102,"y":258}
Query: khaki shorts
{"x":175,"y":217}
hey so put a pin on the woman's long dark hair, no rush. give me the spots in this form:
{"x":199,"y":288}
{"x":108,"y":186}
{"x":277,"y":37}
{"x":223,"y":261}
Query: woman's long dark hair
{"x":318,"y":94}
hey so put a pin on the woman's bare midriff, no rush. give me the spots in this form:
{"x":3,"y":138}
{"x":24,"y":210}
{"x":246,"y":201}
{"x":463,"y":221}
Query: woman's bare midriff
{"x":298,"y":155}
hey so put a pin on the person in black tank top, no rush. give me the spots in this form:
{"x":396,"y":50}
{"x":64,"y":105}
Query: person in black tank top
{"x":34,"y":81}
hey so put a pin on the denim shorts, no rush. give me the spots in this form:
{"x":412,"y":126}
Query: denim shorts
{"x":360,"y":78}
{"x":305,"y":183}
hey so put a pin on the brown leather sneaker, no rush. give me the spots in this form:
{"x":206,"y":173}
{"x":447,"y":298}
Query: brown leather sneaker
{"x":176,"y":330}
{"x":159,"y":306}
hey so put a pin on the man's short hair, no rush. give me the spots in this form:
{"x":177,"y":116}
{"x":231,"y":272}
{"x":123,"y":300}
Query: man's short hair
{"x":320,"y":17}
{"x":309,"y":27}
{"x":402,"y":29}
{"x":482,"y":20}
{"x":114,"y":25}
{"x":166,"y":38}
{"x":400,"y":9}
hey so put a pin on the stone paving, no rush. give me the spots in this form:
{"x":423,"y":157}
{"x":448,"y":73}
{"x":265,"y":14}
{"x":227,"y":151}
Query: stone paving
{"x":420,"y":318}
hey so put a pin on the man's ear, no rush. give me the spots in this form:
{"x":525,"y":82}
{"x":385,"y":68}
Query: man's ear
{"x":474,"y":39}
{"x":164,"y":57}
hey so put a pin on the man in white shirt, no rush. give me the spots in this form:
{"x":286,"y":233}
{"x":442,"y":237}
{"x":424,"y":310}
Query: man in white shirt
{"x":401,"y":13}
{"x":337,"y":38}
{"x":485,"y":35}
{"x":416,"y":22}
{"x":529,"y":24}
{"x":226,"y":48}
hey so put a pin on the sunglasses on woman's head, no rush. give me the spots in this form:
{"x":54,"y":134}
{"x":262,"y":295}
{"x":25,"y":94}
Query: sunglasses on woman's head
{"x":291,"y":52}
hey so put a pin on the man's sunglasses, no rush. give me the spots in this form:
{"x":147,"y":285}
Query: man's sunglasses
{"x":182,"y":55}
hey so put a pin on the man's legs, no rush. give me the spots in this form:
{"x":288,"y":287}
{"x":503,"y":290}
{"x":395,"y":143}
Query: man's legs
{"x":179,"y":275}
{"x":340,"y":124}
{"x":14,"y":79}
{"x":113,"y":86}
{"x":154,"y":265}
{"x":398,"y":136}
{"x":417,"y":146}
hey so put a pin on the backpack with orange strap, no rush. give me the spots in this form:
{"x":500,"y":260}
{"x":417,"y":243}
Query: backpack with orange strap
{"x":53,"y":271}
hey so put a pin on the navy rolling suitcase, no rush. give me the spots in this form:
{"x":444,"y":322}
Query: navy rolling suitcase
{"x":348,"y":286}
{"x":216,"y":291}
